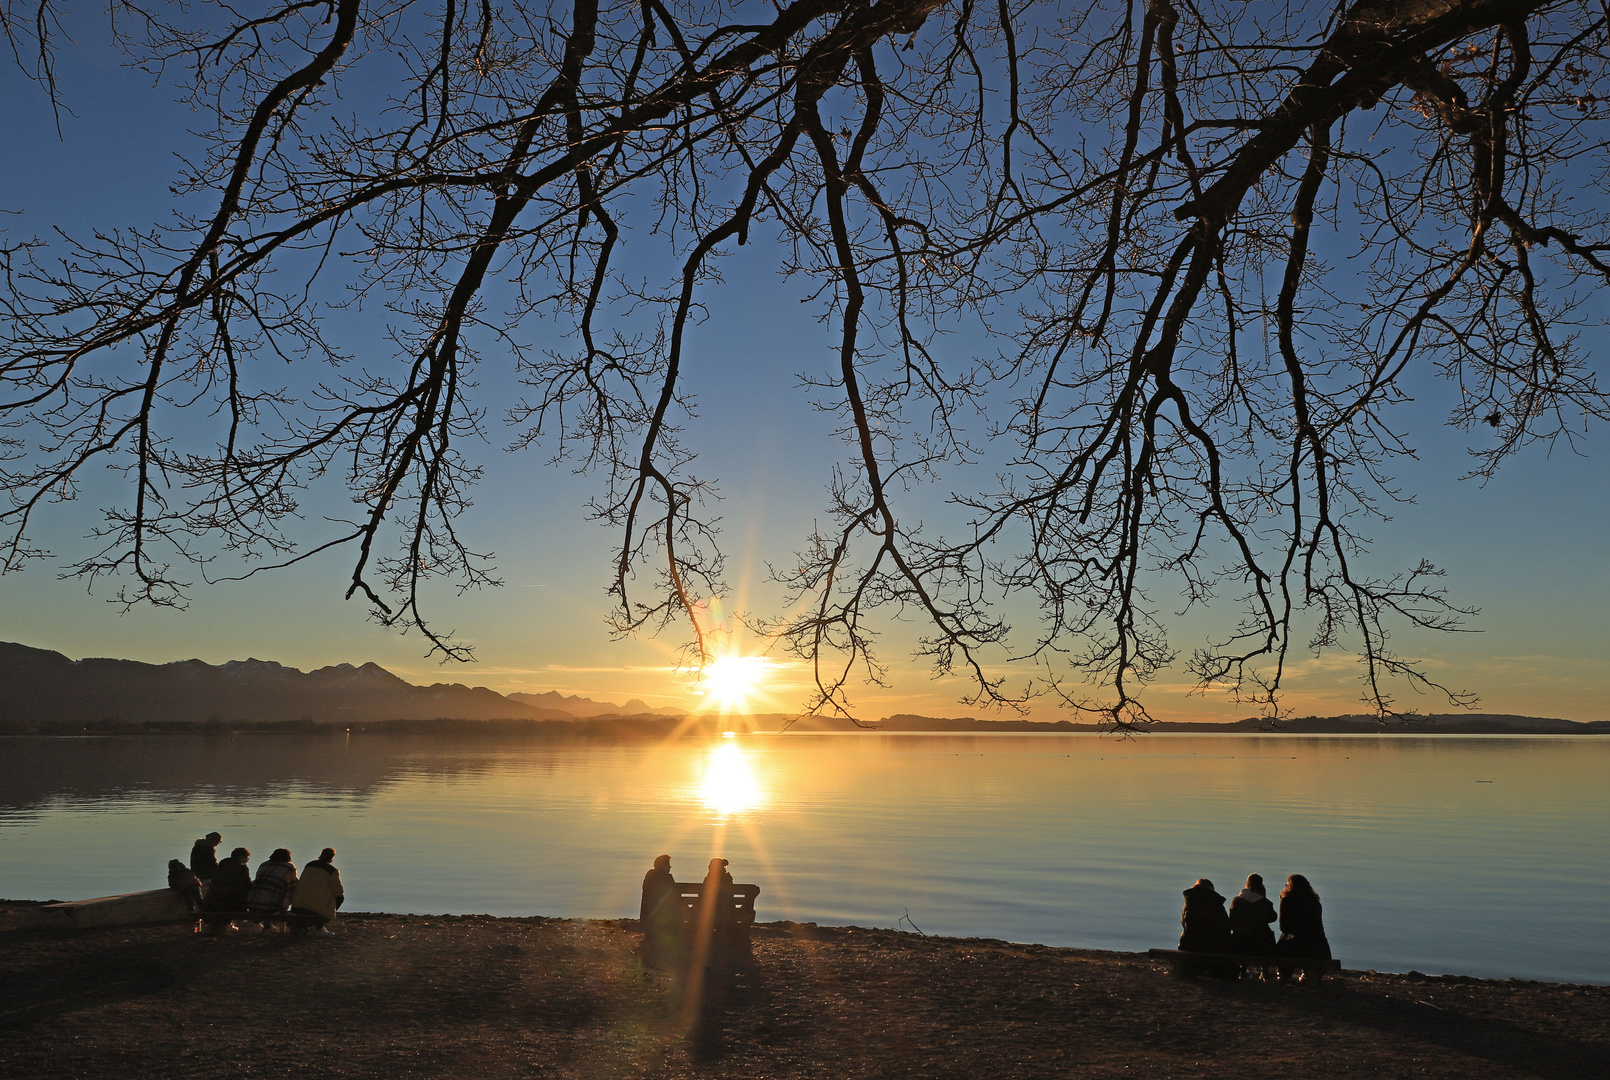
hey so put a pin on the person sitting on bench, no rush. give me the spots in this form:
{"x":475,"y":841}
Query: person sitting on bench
{"x":271,"y":889}
{"x":227,"y":891}
{"x":1250,"y":916}
{"x":661,"y":915}
{"x":319,"y":892}
{"x":718,"y":891}
{"x":1302,"y":921}
{"x":657,"y":883}
{"x":1206,"y":928}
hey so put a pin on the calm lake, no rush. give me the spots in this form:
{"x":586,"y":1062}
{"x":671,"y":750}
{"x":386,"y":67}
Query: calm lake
{"x":1483,"y":856}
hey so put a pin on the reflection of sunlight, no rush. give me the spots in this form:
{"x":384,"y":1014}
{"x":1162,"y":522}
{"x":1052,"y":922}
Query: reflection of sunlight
{"x":730,"y":681}
{"x":729,"y":785}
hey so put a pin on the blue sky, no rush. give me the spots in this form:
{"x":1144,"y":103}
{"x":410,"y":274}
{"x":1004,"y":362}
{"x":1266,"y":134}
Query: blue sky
{"x":1527,"y":549}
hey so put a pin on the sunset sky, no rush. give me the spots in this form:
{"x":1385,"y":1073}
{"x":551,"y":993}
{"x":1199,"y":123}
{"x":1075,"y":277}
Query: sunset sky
{"x":1528,"y":549}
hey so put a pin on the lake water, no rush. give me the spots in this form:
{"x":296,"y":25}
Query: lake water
{"x":1484,"y":856}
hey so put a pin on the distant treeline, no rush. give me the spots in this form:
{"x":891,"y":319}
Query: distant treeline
{"x":1435,"y":724}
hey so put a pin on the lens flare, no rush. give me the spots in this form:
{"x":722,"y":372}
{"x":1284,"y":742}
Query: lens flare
{"x":729,"y":785}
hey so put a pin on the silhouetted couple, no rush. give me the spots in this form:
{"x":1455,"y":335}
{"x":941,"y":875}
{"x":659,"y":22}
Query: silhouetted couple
{"x":667,"y":919}
{"x":658,"y":884}
{"x":1244,"y":930}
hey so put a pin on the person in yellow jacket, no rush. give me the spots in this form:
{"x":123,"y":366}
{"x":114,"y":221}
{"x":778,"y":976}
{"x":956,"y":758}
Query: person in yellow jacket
{"x":319,"y":892}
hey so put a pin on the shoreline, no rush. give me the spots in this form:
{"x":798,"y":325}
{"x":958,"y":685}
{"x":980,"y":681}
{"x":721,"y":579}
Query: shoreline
{"x":483,"y":997}
{"x":11,"y":911}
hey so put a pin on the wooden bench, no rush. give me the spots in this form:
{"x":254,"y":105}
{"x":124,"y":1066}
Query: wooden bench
{"x":1185,"y":962}
{"x":736,"y":908}
{"x":681,"y":930}
{"x":293,"y":922}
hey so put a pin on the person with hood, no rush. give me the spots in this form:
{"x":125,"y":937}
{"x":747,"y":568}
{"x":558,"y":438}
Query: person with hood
{"x":184,"y":882}
{"x":715,"y":939}
{"x":715,"y":907}
{"x":271,"y":889}
{"x":1250,"y":916}
{"x":1206,"y":928}
{"x":227,"y":891}
{"x":204,"y":856}
{"x":716,"y":885}
{"x":1302,"y":921}
{"x":319,"y":891}
{"x":656,"y":883}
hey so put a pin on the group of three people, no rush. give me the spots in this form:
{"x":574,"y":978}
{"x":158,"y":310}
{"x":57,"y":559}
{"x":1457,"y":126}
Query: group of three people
{"x":1245,"y":930}
{"x":230,"y":887}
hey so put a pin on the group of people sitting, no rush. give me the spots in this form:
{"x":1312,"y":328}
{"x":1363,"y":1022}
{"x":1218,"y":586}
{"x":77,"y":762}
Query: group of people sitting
{"x":1245,"y":930}
{"x":218,"y":892}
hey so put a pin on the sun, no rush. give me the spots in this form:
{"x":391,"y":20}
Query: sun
{"x":730,"y":681}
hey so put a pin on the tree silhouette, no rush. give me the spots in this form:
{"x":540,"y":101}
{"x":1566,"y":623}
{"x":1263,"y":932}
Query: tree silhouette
{"x":1214,"y":238}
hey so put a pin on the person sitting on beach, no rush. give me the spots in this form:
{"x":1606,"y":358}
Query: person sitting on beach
{"x":204,"y":856}
{"x":228,"y":888}
{"x":1302,"y":921}
{"x":182,"y":881}
{"x":319,"y":892}
{"x":1206,"y":926}
{"x":271,"y":889}
{"x":1250,"y":916}
{"x":656,"y":884}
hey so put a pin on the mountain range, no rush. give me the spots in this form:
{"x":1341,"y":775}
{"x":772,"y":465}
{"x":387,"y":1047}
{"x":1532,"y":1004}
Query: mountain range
{"x":38,"y":686}
{"x":42,"y":690}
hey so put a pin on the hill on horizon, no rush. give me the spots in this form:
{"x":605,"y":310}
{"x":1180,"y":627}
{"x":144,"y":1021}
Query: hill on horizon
{"x":38,"y":686}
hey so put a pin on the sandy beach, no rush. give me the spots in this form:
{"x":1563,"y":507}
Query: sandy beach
{"x":482,"y":997}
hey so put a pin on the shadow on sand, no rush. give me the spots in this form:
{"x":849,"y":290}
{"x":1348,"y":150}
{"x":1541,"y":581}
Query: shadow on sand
{"x":1400,"y":1011}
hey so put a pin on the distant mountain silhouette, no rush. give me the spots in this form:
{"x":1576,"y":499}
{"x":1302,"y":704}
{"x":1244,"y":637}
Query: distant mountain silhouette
{"x":554,"y":701}
{"x":1442,"y":723}
{"x":38,"y":686}
{"x":43,"y":688}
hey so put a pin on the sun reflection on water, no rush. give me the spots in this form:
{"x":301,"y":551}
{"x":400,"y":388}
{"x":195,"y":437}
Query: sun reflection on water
{"x":729,"y":785}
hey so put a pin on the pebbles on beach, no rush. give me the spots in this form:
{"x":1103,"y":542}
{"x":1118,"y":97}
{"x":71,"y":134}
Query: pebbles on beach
{"x":481,"y":997}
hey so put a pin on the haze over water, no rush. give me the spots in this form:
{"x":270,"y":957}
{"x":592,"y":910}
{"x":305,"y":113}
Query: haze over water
{"x":1471,"y":855}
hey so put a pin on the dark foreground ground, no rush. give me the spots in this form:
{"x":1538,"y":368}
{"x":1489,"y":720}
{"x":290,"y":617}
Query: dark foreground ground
{"x":478,"y":997}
